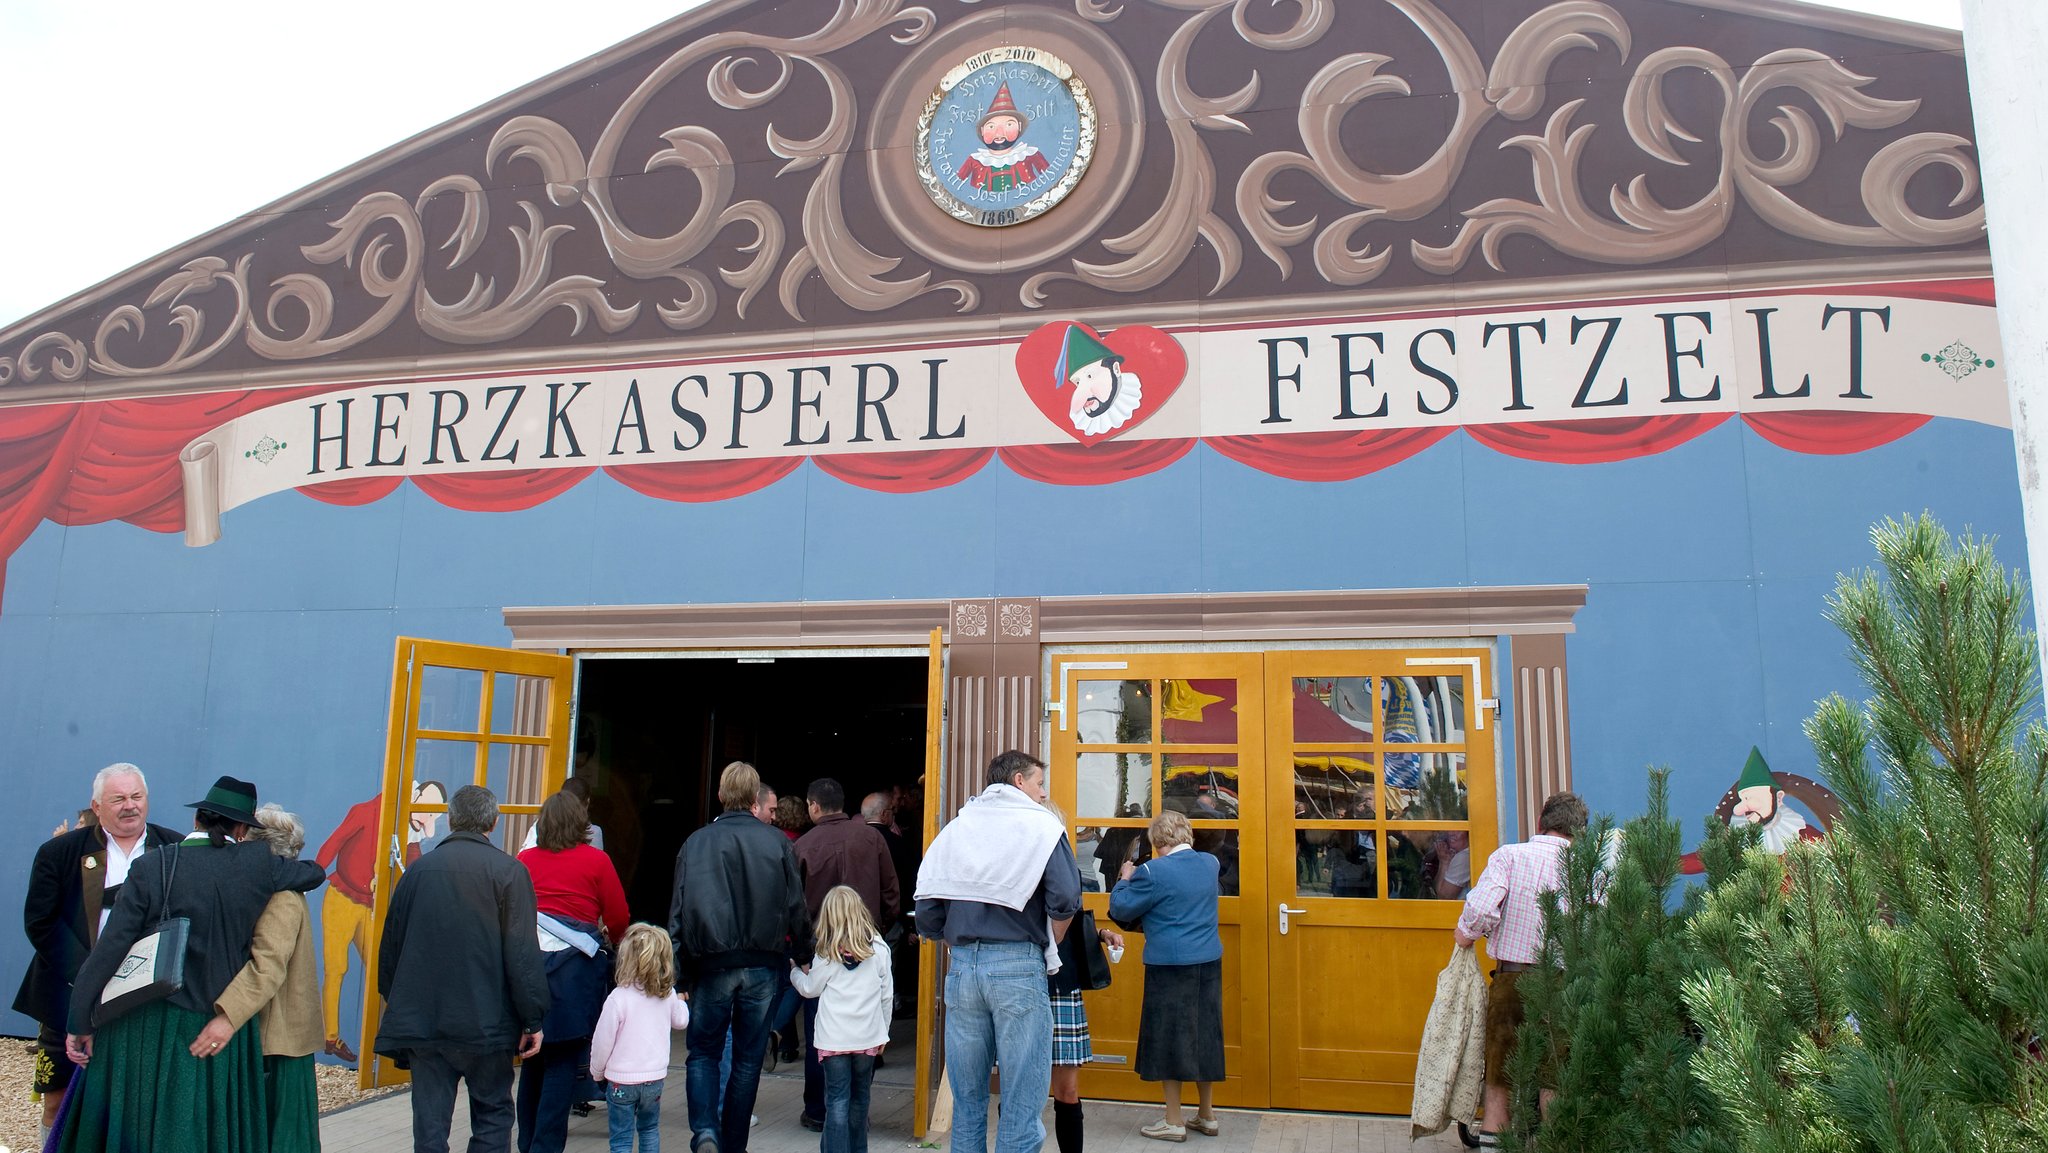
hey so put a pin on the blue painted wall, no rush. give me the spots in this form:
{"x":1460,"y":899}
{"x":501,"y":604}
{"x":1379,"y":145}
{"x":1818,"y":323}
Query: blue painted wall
{"x":268,"y":654}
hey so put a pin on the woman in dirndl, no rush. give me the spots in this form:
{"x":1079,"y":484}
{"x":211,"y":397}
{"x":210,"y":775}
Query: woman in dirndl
{"x":1172,"y":899}
{"x":282,"y":983}
{"x":146,"y":1083}
{"x":582,"y":913}
{"x":1072,"y":1046}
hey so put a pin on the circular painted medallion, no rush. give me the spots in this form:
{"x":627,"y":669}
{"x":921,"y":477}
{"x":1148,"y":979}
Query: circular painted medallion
{"x":1007,"y":134}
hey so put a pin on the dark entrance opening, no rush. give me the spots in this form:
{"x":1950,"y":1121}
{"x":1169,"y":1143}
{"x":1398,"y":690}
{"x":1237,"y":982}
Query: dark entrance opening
{"x":653,"y":734}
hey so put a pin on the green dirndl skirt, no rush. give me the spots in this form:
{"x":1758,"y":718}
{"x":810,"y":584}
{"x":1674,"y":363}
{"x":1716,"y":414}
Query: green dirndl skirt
{"x":144,"y":1091}
{"x":294,"y":1102}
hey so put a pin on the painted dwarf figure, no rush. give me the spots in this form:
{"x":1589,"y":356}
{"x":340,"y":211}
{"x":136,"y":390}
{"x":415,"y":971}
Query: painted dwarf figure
{"x":1759,"y":799}
{"x":1760,"y":802}
{"x":1003,"y":162}
{"x":1105,"y":396}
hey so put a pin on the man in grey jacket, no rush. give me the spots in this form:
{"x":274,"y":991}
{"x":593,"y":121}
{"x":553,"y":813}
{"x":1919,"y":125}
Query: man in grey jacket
{"x":460,"y":970}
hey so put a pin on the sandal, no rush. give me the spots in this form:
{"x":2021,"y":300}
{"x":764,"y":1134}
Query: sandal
{"x":1205,"y":1125}
{"x":1161,"y":1131}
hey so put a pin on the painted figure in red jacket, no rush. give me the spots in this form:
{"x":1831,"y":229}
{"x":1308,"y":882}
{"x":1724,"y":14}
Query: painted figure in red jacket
{"x":351,"y":852}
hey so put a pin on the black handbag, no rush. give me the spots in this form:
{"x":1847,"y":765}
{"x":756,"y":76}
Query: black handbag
{"x":155,"y":965}
{"x":1094,"y":962}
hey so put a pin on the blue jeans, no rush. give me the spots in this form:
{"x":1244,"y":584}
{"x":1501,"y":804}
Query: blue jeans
{"x":847,"y":1077}
{"x":634,"y":1109}
{"x":998,"y":1010}
{"x":785,"y":1009}
{"x":737,"y":1000}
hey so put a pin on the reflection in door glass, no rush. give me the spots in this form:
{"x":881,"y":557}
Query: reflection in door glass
{"x":1201,"y":786}
{"x":1429,"y":866}
{"x":1332,"y":710}
{"x":1113,"y":712}
{"x":451,"y":700}
{"x":1333,"y":786}
{"x":1102,"y":852}
{"x":1222,"y":845}
{"x":1113,"y":785}
{"x":1436,"y":791}
{"x":1430,"y":709}
{"x":1198,"y":712}
{"x":1335,"y":863}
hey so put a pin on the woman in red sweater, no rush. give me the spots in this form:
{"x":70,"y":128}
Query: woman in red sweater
{"x":582,"y":913}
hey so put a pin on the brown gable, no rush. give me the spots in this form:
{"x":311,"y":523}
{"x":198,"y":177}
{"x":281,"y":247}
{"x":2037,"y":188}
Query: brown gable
{"x":746,"y":178}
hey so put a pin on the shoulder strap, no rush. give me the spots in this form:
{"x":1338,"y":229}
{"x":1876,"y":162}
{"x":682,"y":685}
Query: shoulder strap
{"x":168,"y":870}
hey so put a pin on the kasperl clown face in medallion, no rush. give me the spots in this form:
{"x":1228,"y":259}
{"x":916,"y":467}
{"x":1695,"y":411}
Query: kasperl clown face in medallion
{"x":1005,"y":137}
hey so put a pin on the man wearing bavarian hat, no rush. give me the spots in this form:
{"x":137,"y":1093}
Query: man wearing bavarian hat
{"x":209,"y":1093}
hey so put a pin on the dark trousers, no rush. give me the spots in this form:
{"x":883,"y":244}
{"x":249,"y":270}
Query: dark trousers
{"x":847,"y":1078}
{"x":738,"y":1000}
{"x":547,"y":1086}
{"x":814,"y":1076}
{"x":489,"y":1074}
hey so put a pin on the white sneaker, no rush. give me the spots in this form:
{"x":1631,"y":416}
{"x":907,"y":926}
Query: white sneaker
{"x":753,"y":1119}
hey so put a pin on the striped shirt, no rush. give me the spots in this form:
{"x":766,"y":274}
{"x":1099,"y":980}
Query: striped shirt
{"x":1503,"y":905}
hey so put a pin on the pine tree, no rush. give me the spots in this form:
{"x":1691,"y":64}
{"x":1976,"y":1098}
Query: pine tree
{"x":1888,"y":990}
{"x":1604,"y":1022}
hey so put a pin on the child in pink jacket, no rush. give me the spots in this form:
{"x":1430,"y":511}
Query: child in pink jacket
{"x":631,"y":1046}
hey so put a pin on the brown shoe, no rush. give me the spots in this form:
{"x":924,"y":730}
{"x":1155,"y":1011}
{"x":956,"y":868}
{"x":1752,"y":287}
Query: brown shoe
{"x":336,"y":1047}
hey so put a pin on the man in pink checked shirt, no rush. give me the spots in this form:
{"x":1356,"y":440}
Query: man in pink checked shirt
{"x":1504,"y":907}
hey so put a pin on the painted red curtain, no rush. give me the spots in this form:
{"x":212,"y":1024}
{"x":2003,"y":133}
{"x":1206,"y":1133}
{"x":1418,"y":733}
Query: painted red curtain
{"x":1328,"y":456}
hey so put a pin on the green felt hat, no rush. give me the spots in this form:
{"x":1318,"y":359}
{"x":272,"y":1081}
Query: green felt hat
{"x":1755,"y":772}
{"x":1078,"y":352}
{"x":230,"y":798}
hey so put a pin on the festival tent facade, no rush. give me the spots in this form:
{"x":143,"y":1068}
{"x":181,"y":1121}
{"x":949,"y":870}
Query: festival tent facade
{"x":1345,"y":423}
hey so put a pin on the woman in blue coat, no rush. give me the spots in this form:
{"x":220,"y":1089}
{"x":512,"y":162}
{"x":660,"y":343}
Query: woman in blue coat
{"x":1172,"y":900}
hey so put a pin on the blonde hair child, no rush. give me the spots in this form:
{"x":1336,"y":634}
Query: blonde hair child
{"x":851,"y":980}
{"x":630,"y":1047}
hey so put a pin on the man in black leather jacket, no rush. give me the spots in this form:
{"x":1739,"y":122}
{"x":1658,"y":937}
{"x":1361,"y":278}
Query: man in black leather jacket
{"x":738,"y":921}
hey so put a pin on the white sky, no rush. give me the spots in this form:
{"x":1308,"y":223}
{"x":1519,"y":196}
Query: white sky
{"x":130,"y":126}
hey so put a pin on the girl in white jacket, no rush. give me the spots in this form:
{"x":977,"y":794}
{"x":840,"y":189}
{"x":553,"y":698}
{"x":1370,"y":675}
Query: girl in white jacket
{"x":850,"y":978}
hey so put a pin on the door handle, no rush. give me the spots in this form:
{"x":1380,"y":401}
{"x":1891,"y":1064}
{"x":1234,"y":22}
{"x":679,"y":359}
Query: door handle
{"x":1284,"y":912}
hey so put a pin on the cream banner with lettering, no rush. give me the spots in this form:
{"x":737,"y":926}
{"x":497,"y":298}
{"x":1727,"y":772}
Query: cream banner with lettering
{"x":1872,"y":350}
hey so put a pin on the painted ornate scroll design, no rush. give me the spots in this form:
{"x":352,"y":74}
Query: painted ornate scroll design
{"x":1650,"y":231}
{"x":1641,"y":230}
{"x":1513,"y":87}
{"x":380,"y":243}
{"x":1156,"y":249}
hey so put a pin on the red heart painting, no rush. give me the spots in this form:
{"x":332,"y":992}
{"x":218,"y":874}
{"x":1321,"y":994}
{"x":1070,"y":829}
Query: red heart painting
{"x":1097,"y":387}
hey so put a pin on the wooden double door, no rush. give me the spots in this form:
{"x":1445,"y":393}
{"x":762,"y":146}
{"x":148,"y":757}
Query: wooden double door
{"x":1349,"y":797}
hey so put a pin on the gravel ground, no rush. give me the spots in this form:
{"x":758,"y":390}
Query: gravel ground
{"x":19,"y":1112}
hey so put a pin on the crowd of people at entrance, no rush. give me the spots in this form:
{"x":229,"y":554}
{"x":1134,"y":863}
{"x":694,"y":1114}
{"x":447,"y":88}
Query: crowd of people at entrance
{"x":176,"y":981}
